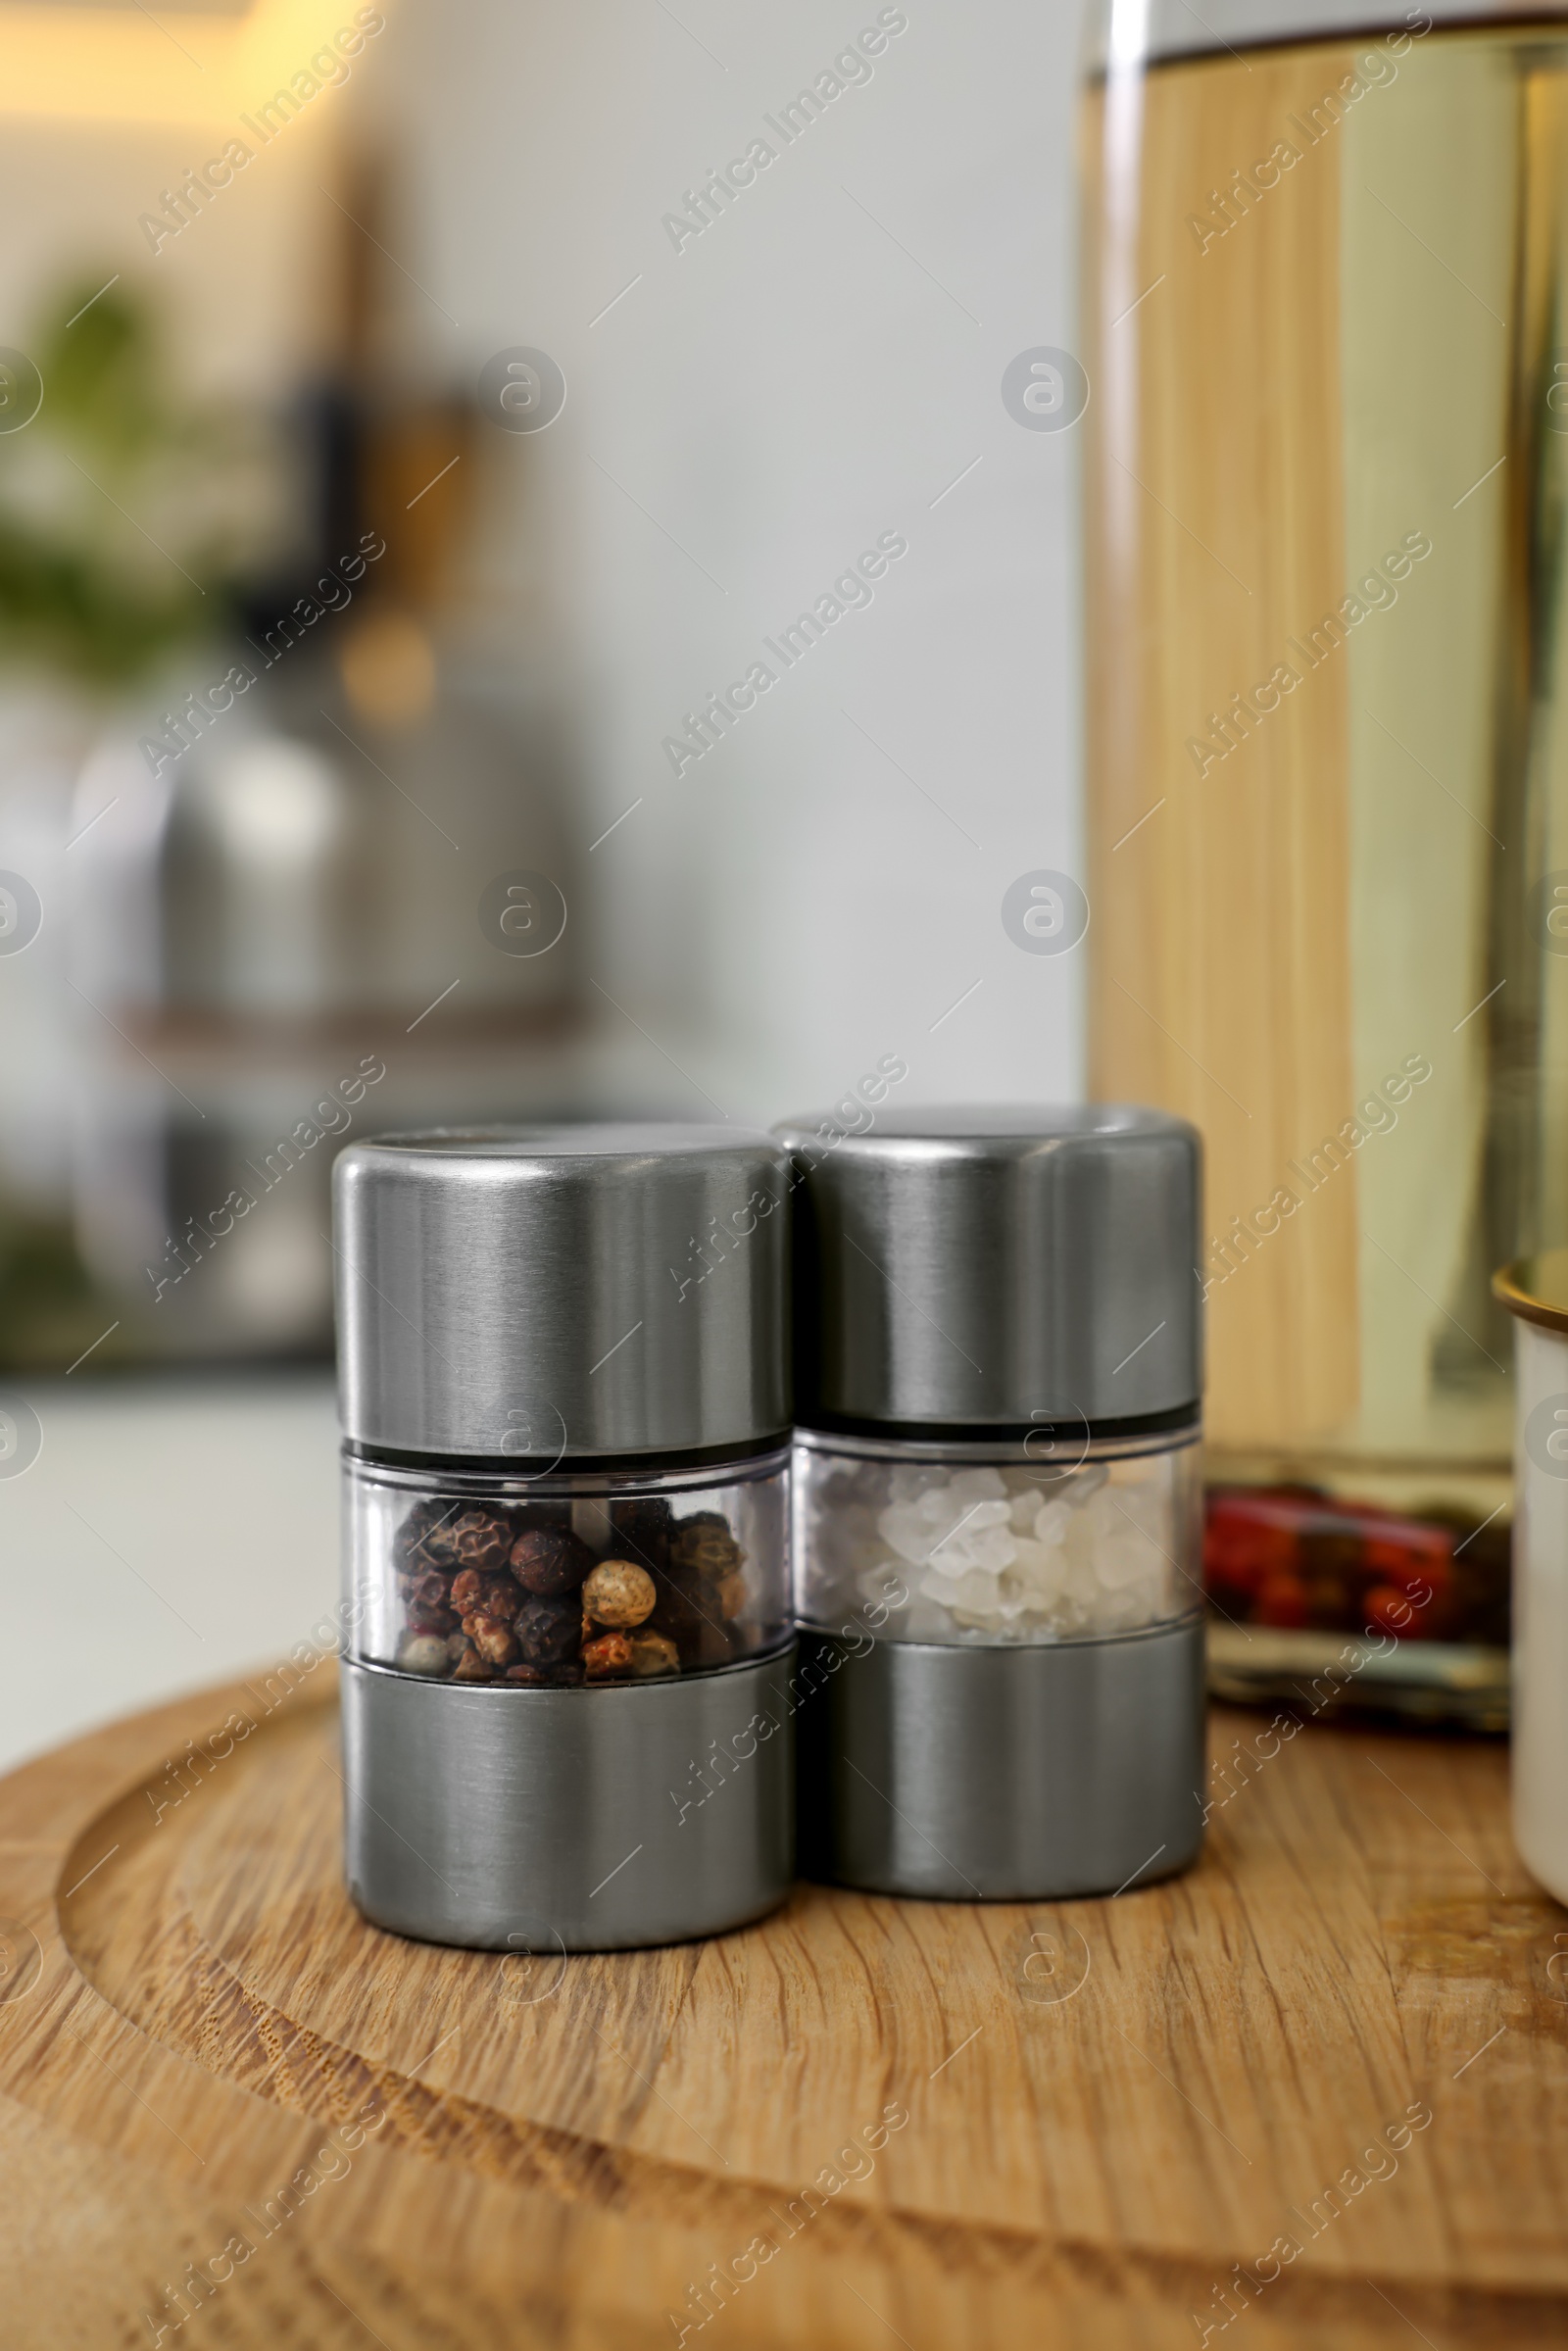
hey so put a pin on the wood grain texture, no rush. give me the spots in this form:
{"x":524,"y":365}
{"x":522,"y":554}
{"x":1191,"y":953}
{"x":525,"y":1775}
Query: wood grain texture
{"x":1219,"y":946}
{"x":1108,"y":2104}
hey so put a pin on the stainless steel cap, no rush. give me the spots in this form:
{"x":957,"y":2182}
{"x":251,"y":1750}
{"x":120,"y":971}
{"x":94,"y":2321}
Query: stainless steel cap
{"x":997,"y":1269}
{"x":560,"y":1293}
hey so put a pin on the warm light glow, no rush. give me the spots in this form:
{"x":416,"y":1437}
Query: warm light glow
{"x":113,"y":65}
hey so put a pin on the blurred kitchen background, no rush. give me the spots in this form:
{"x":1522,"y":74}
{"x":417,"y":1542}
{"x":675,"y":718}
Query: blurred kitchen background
{"x":336,"y":701}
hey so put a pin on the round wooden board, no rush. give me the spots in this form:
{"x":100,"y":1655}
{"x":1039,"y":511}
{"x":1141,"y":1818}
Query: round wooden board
{"x":231,"y":2113}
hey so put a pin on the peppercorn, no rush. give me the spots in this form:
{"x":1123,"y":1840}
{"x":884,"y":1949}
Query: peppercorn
{"x":513,"y":1593}
{"x":704,"y":1542}
{"x":493,"y":1637}
{"x":483,"y":1540}
{"x":427,"y":1604}
{"x":611,"y":1653}
{"x":551,"y":1562}
{"x":422,"y":1519}
{"x":488,"y":1596}
{"x":690,"y":1611}
{"x":678,"y":1616}
{"x":548,"y":1631}
{"x":546,"y":1677}
{"x":618,"y":1593}
{"x":651,"y":1653}
{"x":423,"y":1653}
{"x":432,"y":1530}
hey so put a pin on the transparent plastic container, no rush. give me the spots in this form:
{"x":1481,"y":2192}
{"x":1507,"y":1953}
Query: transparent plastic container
{"x":1012,"y":1546}
{"x":561,"y":1581}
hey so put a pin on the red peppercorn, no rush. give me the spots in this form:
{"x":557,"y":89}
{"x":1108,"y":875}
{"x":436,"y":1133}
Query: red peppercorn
{"x":490,"y":1595}
{"x":611,"y":1653}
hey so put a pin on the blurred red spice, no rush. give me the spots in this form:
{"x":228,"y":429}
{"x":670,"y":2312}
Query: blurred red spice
{"x":1293,"y":1556}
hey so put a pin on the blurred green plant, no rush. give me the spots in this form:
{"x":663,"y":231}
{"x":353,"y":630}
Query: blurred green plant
{"x":52,"y":1306}
{"x":121,"y":522}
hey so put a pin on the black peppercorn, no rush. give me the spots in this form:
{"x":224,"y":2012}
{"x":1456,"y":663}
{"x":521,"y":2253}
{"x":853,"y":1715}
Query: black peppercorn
{"x":546,"y":1677}
{"x":549,"y":1630}
{"x":421,"y":1518}
{"x":429,"y":1533}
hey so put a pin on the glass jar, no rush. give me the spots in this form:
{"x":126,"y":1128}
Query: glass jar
{"x":566,"y":1712}
{"x":998,"y":1361}
{"x":1324,"y":275}
{"x":1047,"y":1541}
{"x":559,"y":1580}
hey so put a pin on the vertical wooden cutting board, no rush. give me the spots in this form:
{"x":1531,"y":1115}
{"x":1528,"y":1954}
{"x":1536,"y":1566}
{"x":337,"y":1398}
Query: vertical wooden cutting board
{"x":1219,"y":942}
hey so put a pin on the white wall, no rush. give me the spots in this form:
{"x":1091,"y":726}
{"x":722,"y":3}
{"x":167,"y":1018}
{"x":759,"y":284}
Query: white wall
{"x":792,"y":383}
{"x":777,"y":395}
{"x":774,"y":395}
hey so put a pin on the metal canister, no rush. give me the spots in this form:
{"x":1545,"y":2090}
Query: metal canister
{"x":565,"y":1411}
{"x":997,"y":1498}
